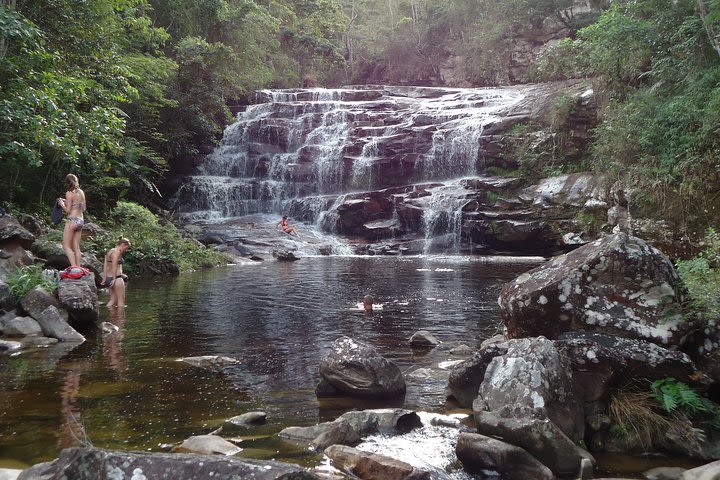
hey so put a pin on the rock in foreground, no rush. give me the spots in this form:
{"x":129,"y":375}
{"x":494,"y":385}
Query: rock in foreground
{"x":98,"y":464}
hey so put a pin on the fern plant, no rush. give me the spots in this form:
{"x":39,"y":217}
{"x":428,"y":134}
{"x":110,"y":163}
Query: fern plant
{"x":677,"y":396}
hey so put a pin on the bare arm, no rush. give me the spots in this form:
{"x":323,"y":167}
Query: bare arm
{"x":66,"y":203}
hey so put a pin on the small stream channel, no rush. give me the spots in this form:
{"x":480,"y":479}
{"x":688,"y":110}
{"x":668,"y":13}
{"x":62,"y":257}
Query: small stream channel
{"x":127,"y":391}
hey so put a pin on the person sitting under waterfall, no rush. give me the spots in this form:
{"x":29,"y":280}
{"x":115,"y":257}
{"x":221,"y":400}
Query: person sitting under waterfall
{"x":286,"y":227}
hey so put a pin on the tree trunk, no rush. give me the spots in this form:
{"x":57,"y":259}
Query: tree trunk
{"x":712,"y":34}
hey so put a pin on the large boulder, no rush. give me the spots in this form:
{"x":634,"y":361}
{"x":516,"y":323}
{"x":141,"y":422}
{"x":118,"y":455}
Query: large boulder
{"x":357,"y":370}
{"x":532,"y":379}
{"x":79,"y":297}
{"x":11,"y":232}
{"x":22,"y":327}
{"x":478,"y":452}
{"x":37,"y":300}
{"x":368,"y":466}
{"x":618,"y":285}
{"x":601,"y":362}
{"x":387,"y":421}
{"x":710,"y":471}
{"x":98,"y":464}
{"x":541,"y":438}
{"x":321,"y":436}
{"x":466,"y":377}
{"x":56,"y":258}
{"x":54,"y":325}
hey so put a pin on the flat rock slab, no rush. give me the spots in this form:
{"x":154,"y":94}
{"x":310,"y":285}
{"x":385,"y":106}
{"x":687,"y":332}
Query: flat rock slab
{"x":478,"y":452}
{"x":54,"y":325}
{"x":209,"y":445}
{"x":370,"y":466}
{"x":210,"y":362}
{"x":98,"y":464}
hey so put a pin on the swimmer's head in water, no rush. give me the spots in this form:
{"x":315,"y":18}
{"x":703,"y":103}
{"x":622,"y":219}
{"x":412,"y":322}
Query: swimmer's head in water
{"x":368,"y":302}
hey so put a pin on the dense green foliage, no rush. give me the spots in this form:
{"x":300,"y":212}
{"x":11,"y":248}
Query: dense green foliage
{"x":701,"y":276}
{"x":27,"y":278}
{"x":157,"y":246}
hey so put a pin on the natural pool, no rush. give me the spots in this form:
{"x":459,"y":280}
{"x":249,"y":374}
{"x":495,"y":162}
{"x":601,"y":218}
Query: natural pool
{"x":127,"y":391}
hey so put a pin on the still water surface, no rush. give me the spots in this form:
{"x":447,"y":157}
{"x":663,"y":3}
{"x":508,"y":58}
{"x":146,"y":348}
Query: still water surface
{"x":126,"y":390}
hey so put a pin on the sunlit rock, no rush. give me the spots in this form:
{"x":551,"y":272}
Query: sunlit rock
{"x":356,"y":369}
{"x":618,"y":285}
{"x":478,"y":452}
{"x":368,"y":466}
{"x":9,"y":345}
{"x":466,"y":377}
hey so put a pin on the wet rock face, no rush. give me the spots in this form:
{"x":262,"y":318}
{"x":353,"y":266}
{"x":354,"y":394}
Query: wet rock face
{"x":465,"y":378}
{"x":356,"y":369}
{"x":618,"y":285}
{"x":532,"y":379}
{"x":98,"y":464}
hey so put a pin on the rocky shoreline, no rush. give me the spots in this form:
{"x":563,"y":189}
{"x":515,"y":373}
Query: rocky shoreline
{"x":579,"y":328}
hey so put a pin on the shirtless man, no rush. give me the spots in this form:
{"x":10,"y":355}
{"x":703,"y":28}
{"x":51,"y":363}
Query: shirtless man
{"x":113,"y":277}
{"x":286,"y":227}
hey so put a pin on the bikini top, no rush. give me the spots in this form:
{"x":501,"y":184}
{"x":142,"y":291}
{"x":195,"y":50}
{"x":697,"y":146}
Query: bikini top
{"x":77,"y":203}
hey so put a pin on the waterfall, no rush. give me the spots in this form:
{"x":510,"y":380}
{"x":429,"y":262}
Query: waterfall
{"x":301,"y":151}
{"x":442,"y":217}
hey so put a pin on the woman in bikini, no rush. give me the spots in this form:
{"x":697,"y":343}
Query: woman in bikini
{"x":286,"y":227}
{"x":74,"y":206}
{"x":113,"y":277}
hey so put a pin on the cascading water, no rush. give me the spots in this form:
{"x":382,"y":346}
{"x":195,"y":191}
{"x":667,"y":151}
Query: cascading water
{"x":301,"y":151}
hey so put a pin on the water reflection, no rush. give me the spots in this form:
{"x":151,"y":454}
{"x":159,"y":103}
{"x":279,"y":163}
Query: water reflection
{"x":125,"y":389}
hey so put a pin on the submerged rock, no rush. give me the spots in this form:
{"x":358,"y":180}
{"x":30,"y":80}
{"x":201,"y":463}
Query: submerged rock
{"x":356,"y":369}
{"x":209,"y":362}
{"x":249,"y":418}
{"x":618,"y":285}
{"x":369,"y":466}
{"x":98,"y":464}
{"x":424,"y":339}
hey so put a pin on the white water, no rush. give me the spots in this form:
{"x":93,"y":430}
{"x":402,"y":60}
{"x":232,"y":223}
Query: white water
{"x":294,"y":153}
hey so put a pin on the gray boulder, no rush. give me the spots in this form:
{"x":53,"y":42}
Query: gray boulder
{"x":12,"y":232}
{"x":357,"y":370}
{"x":9,"y":345}
{"x":664,"y":473}
{"x":98,"y":464}
{"x":368,"y":466}
{"x":533,"y":376}
{"x":37,"y":300}
{"x":79,"y":297}
{"x":541,"y":438}
{"x":6,"y":317}
{"x":603,"y":361}
{"x":9,"y":473}
{"x":618,"y":285}
{"x":466,"y":377}
{"x":321,"y":436}
{"x":22,"y":327}
{"x":478,"y":452}
{"x":209,"y":445}
{"x":56,"y":258}
{"x":284,"y":255}
{"x":385,"y":421}
{"x":53,"y":325}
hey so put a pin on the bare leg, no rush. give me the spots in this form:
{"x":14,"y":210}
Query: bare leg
{"x":120,"y":292}
{"x":77,"y":235}
{"x":67,"y":242}
{"x":113,"y":296}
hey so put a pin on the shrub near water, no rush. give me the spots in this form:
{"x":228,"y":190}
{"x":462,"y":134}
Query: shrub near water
{"x":27,"y":278}
{"x":701,"y":276}
{"x":156,"y":247}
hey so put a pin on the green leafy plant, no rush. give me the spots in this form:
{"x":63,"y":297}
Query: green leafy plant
{"x":677,"y":396}
{"x":701,"y":276}
{"x":27,"y":278}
